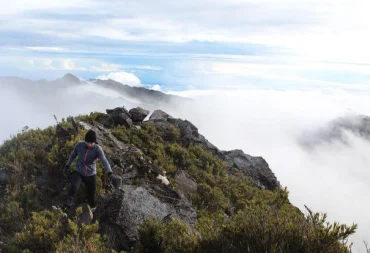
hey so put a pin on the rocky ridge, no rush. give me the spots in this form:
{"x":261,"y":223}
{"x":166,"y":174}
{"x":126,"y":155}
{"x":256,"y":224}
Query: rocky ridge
{"x":142,"y":195}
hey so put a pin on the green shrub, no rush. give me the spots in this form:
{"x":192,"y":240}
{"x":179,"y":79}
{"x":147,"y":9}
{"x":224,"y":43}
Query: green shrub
{"x":211,"y":199}
{"x":171,"y":237}
{"x":82,"y":238}
{"x":42,"y":233}
{"x":52,"y":231}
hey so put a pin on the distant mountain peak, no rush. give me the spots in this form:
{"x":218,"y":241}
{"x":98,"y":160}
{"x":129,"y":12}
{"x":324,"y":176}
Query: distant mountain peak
{"x":70,"y":78}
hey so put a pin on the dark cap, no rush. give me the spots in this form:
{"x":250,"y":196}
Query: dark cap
{"x":90,"y":136}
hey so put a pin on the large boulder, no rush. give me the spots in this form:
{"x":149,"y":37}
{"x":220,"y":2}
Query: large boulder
{"x":254,"y":167}
{"x":121,"y":214}
{"x":120,"y":116}
{"x":138,"y":114}
{"x":186,"y":182}
{"x":189,"y":134}
{"x":159,"y":115}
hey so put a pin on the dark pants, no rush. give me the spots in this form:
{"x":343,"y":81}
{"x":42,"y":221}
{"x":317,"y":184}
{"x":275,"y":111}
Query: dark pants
{"x":90,"y":183}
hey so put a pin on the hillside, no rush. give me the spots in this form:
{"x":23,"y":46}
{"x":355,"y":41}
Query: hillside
{"x":179,"y":193}
{"x":95,"y":88}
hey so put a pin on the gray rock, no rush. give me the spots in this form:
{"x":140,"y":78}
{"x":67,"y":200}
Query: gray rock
{"x":159,"y":115}
{"x":69,"y":78}
{"x":5,"y":176}
{"x":236,"y":161}
{"x":122,"y":213}
{"x":254,"y":167}
{"x":138,"y":114}
{"x":86,"y":216}
{"x":62,"y":135}
{"x":186,"y":182}
{"x":190,"y":134}
{"x":115,"y":180}
{"x":120,"y":116}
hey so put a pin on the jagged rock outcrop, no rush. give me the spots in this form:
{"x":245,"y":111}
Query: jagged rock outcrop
{"x":254,"y":167}
{"x":70,"y":78}
{"x":236,"y":161}
{"x":190,"y":134}
{"x":122,"y":213}
{"x":120,"y":116}
{"x":159,"y":115}
{"x":138,"y":114}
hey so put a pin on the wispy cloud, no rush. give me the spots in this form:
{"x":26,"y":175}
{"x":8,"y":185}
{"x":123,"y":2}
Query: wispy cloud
{"x":295,"y":43}
{"x":47,"y":49}
{"x":122,"y":77}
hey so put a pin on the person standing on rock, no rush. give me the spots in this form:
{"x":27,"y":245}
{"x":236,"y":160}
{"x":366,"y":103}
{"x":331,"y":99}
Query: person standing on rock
{"x":88,"y":152}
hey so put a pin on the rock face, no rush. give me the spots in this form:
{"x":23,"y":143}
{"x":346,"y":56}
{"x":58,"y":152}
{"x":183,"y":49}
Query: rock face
{"x":122,"y":213}
{"x":5,"y":176}
{"x":186,"y":183}
{"x":236,"y":161}
{"x":159,"y":115}
{"x":120,"y":116}
{"x":70,"y":78}
{"x":190,"y":134}
{"x":254,"y":167}
{"x":138,"y":114}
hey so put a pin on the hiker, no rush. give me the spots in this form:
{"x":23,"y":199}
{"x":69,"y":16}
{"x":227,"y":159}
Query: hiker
{"x":87,"y":152}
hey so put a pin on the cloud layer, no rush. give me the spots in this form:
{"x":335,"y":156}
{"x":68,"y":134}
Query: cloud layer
{"x":332,"y":176}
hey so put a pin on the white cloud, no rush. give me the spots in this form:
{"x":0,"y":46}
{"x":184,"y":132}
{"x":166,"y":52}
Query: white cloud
{"x":269,"y":123}
{"x":68,"y":64}
{"x":106,"y":67}
{"x":326,"y":30}
{"x":146,"y":67}
{"x":156,"y":87}
{"x":23,"y":5}
{"x":47,"y":62}
{"x":122,"y":77}
{"x":263,"y":123}
{"x":47,"y":49}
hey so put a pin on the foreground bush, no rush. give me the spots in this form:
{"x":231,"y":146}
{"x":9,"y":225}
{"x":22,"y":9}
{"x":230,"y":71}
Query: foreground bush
{"x":52,"y":231}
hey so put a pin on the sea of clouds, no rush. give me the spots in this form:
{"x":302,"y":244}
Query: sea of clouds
{"x":288,"y":128}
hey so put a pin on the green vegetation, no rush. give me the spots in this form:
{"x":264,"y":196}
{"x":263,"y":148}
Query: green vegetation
{"x":52,"y":231}
{"x":233,"y":214}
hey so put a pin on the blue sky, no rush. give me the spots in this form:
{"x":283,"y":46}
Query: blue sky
{"x":194,"y":45}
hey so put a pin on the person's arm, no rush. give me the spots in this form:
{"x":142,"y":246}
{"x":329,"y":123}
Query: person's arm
{"x":104,"y":161}
{"x":72,"y":156}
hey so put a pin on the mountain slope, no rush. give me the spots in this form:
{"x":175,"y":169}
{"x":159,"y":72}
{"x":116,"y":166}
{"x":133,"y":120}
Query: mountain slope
{"x":44,"y":88}
{"x":180,"y":193}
